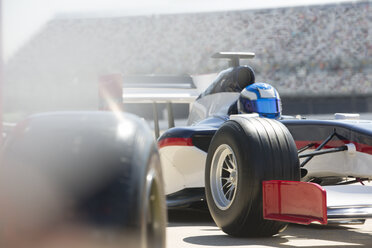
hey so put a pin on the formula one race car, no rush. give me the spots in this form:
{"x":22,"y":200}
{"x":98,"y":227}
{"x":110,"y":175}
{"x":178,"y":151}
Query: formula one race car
{"x":257,"y":168}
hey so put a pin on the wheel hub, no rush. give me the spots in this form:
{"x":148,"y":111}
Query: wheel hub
{"x":224,"y":176}
{"x":233,"y":177}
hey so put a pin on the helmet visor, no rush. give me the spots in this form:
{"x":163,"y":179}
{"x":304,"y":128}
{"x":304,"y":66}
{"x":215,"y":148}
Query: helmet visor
{"x":263,"y":106}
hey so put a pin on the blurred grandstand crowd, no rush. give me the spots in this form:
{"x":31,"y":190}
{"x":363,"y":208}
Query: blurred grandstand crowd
{"x":312,"y":50}
{"x":305,"y":50}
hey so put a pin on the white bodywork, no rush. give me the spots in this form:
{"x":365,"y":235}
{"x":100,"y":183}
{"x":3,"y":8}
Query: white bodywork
{"x":348,"y":195}
{"x":183,"y":167}
{"x":340,"y":164}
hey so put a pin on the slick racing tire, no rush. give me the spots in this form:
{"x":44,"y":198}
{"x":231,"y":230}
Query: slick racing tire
{"x":242,"y":154}
{"x":96,"y":173}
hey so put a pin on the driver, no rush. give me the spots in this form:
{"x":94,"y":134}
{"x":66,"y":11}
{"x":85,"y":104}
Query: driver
{"x":260,"y":98}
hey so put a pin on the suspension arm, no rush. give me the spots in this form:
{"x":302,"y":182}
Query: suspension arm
{"x":325,"y":151}
{"x":317,"y":149}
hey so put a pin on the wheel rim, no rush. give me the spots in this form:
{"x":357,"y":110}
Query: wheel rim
{"x":155,"y":216}
{"x":224,"y":177}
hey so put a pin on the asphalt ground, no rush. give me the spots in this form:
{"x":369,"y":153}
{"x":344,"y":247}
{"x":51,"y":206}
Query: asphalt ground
{"x":195,"y":228}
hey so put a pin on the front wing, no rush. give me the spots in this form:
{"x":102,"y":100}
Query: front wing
{"x":304,"y":203}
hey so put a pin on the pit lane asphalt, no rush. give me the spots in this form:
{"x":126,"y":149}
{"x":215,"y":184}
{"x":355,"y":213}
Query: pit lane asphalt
{"x":195,"y":228}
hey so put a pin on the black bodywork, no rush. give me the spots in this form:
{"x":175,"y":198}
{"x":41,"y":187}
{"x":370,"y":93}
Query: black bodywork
{"x":301,"y":130}
{"x":233,"y":79}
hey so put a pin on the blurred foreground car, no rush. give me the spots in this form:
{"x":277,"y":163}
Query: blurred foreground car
{"x":81,"y":179}
{"x":254,"y":171}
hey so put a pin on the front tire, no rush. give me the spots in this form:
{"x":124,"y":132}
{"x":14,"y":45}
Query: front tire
{"x":89,"y":172}
{"x":242,"y":154}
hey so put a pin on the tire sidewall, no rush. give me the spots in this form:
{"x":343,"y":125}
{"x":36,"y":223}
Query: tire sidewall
{"x":264,"y":150}
{"x":231,"y":214}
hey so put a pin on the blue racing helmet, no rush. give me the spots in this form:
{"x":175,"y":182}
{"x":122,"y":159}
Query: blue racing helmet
{"x":260,"y":98}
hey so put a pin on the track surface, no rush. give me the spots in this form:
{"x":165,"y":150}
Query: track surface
{"x":195,"y":228}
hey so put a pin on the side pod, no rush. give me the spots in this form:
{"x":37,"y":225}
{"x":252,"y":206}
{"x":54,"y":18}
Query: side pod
{"x":295,"y":202}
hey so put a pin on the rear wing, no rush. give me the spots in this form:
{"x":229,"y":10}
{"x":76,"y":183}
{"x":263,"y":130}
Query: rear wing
{"x":158,"y":89}
{"x":116,"y":90}
{"x":234,"y":57}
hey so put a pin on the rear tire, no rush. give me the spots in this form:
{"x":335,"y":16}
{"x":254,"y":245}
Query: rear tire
{"x":242,"y":154}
